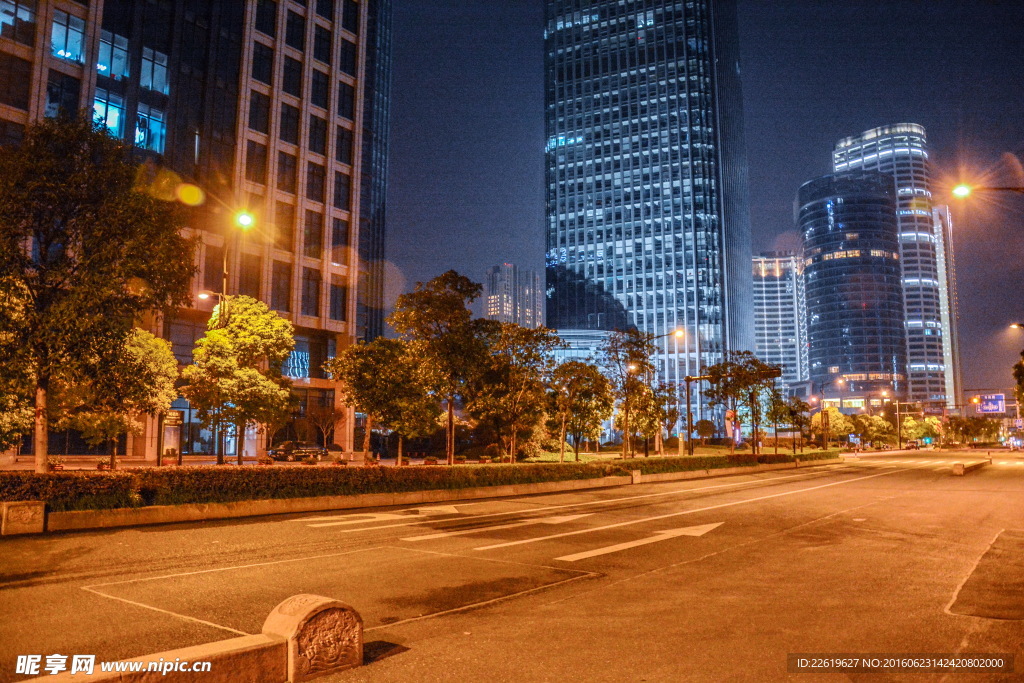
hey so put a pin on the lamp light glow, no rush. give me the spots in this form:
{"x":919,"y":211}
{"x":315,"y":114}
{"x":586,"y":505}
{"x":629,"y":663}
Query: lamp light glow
{"x":962,"y":191}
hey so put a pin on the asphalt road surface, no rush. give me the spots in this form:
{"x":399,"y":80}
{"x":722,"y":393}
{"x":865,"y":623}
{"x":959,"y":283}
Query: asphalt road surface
{"x":705,"y":580}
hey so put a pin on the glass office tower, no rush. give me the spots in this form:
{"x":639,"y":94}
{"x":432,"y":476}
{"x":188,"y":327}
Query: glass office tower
{"x":780,"y":320}
{"x":278,"y":108}
{"x":901,"y":151}
{"x":853,"y":287}
{"x":647,"y":218}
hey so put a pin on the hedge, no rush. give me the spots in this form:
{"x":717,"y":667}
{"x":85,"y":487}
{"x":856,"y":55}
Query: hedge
{"x":178,"y":485}
{"x":72,"y":490}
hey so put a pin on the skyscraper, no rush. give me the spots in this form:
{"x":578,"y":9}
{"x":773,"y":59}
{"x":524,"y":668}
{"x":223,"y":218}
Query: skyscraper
{"x":647,"y":218}
{"x":514,"y":295}
{"x":277,"y":108}
{"x":853,"y":288}
{"x":780,"y":320}
{"x":901,"y":151}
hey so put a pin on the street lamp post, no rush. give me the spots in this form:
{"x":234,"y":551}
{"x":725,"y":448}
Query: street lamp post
{"x":963,"y":190}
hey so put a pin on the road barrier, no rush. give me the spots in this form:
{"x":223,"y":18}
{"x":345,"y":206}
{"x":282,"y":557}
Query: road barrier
{"x":305,"y":637}
{"x":960,"y":469}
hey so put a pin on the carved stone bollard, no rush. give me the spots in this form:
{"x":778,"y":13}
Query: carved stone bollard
{"x":22,"y":517}
{"x":324,"y":635}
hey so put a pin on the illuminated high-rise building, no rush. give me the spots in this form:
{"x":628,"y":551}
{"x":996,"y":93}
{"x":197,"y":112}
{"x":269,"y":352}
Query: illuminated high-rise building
{"x":273,"y":107}
{"x":780,"y":314}
{"x":514,"y":295}
{"x":926,"y":254}
{"x":647,"y":216}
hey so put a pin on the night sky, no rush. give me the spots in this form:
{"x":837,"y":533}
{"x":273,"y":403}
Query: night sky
{"x":467,"y":137}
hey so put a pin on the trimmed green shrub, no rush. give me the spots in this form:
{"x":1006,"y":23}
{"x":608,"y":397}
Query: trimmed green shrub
{"x":688,"y":464}
{"x":774,"y":459}
{"x":72,"y":490}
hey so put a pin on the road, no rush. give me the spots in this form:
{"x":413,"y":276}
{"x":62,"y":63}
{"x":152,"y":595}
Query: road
{"x":713,"y":579}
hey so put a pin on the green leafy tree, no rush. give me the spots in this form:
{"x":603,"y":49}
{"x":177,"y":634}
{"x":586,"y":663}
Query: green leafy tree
{"x":1018,"y":376}
{"x":235,"y":378}
{"x":837,"y":424}
{"x":705,"y":430}
{"x":777,"y":412}
{"x":83,"y":250}
{"x":873,"y":428}
{"x":450,"y":345}
{"x":799,"y":416}
{"x":625,"y":358}
{"x":743,"y":380}
{"x":126,"y":383}
{"x":15,"y":420}
{"x":583,"y":400}
{"x":385,"y":380}
{"x":511,"y":390}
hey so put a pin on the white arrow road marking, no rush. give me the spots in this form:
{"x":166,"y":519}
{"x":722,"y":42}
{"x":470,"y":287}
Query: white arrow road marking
{"x":546,"y":520}
{"x":660,"y":536}
{"x":380,"y":516}
{"x":365,"y":518}
{"x":690,"y":512}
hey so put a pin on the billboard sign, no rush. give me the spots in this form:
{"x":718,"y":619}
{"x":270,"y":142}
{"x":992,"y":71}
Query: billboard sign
{"x":992,"y":403}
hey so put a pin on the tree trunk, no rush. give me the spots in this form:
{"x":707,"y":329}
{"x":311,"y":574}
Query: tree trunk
{"x":449,"y":445}
{"x":561,"y":454}
{"x":512,"y":444}
{"x":239,"y":442}
{"x":398,"y":458}
{"x":112,"y":452}
{"x":219,"y":443}
{"x":625,"y":433}
{"x":366,"y":436}
{"x":40,"y":430}
{"x":776,"y":428}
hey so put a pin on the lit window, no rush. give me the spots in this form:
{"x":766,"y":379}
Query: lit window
{"x":18,"y":20}
{"x":108,"y":109}
{"x":67,"y":37}
{"x":151,"y":129}
{"x":113,"y":58}
{"x":154,"y":71}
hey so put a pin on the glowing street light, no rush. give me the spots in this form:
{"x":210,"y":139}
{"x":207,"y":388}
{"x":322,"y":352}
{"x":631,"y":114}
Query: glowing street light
{"x":1017,"y":326}
{"x":244,"y":220}
{"x":963,"y":190}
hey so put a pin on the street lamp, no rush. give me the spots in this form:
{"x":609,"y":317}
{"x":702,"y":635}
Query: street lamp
{"x":1017,"y":326}
{"x":963,"y":190}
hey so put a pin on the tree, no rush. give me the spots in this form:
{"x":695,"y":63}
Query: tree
{"x":838,"y":424}
{"x":626,"y":360}
{"x":15,"y":420}
{"x":583,"y":400}
{"x":385,"y":380}
{"x":511,"y":390}
{"x":872,"y":428}
{"x":777,"y":413}
{"x":126,"y":383}
{"x":798,"y":412}
{"x":1018,"y":376}
{"x":235,"y":378}
{"x":705,"y":430}
{"x":436,"y":320}
{"x":323,"y":417}
{"x":83,"y":252}
{"x":744,"y":380}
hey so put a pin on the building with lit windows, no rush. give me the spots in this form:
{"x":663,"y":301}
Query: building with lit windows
{"x":857,"y":348}
{"x":514,"y":295}
{"x":926,"y":254}
{"x":647,"y":218}
{"x":780,"y":321}
{"x":275,"y":107}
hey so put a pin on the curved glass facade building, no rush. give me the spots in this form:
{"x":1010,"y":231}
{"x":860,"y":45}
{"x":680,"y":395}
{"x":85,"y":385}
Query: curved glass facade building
{"x":647,"y":217}
{"x":852,"y":283}
{"x":929,"y":294}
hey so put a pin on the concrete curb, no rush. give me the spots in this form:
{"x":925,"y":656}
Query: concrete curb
{"x":960,"y":469}
{"x":80,"y":520}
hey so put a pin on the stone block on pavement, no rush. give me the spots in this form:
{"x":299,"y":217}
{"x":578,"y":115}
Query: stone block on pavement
{"x":324,"y":635}
{"x":22,"y":517}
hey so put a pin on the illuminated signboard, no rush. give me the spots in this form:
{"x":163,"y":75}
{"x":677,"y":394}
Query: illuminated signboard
{"x":992,"y":403}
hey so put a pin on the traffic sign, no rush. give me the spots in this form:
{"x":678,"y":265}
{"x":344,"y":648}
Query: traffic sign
{"x":992,"y":403}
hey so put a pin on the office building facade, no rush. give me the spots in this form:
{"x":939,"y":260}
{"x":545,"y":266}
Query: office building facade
{"x":780,"y":321}
{"x":926,"y":254}
{"x":853,"y":287}
{"x":277,"y":108}
{"x":514,"y":295}
{"x":647,"y":217}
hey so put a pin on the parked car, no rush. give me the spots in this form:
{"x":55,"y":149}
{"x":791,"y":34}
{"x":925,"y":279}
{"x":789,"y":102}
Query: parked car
{"x":913,"y":445}
{"x":297,"y":450}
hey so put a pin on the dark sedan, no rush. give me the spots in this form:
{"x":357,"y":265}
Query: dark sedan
{"x":297,"y":450}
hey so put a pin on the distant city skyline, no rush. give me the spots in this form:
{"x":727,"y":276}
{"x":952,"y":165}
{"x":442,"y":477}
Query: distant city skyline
{"x":468,"y":139}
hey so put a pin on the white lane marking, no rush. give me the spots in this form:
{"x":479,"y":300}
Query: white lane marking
{"x":511,"y":525}
{"x":974,"y":567}
{"x":660,"y":536}
{"x":686,"y":512}
{"x":381,"y":516}
{"x":167,"y":612}
{"x":804,"y":475}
